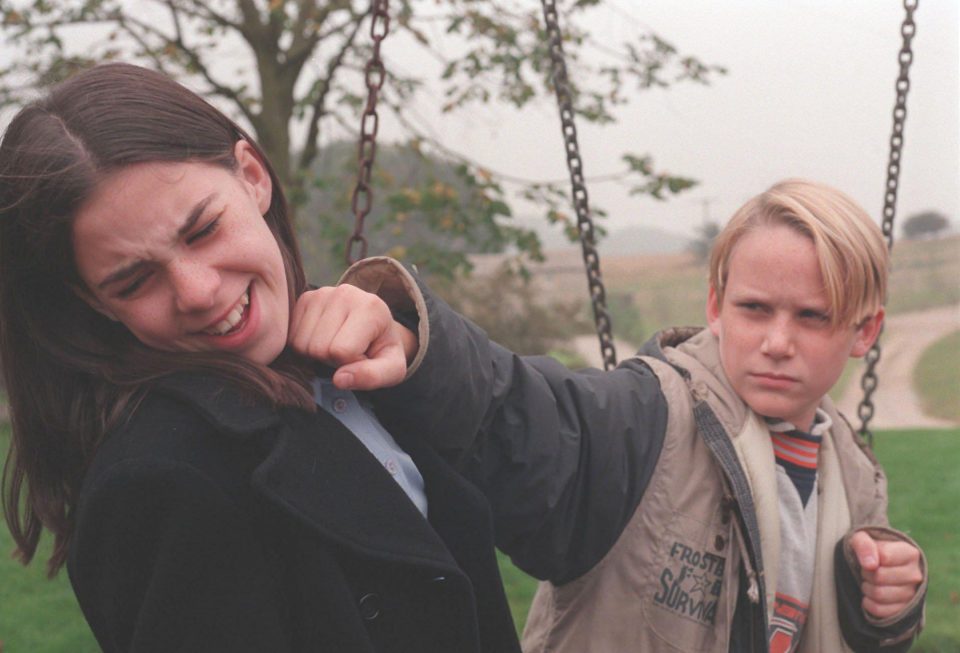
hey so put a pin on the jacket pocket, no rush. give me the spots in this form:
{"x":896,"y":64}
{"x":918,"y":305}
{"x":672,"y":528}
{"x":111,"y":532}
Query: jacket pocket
{"x":688,"y":599}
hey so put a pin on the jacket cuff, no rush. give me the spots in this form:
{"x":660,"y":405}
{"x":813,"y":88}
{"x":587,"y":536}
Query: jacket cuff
{"x":389,"y":280}
{"x":862,"y":630}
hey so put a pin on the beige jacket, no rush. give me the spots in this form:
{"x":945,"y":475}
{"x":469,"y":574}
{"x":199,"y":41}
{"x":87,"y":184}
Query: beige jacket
{"x":671,"y":581}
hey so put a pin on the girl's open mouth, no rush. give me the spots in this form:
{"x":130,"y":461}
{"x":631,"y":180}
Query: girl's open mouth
{"x":235,"y":320}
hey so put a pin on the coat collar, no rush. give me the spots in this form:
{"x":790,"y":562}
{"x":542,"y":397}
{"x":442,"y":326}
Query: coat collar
{"x":694,"y":353}
{"x":220,"y":402}
{"x":661,"y":340}
{"x":318,"y":472}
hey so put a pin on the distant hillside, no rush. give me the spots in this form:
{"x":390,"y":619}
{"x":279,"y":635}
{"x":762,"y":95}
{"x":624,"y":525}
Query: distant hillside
{"x":642,"y":240}
{"x":649,"y":292}
{"x":630,"y":241}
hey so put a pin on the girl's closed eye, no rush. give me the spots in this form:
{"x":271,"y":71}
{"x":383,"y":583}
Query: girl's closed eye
{"x":130,"y":289}
{"x":209,"y":229}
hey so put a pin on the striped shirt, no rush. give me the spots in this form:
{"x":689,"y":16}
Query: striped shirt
{"x":796,"y":458}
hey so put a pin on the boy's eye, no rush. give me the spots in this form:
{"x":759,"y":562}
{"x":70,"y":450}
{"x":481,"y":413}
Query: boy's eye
{"x":130,"y":289}
{"x":207,"y":230}
{"x":815,"y":316}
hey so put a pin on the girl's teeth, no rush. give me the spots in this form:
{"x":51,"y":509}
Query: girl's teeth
{"x":221,"y":328}
{"x":233,"y":319}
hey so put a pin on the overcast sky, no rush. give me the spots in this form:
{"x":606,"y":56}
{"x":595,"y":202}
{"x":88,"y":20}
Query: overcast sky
{"x":809,"y":93}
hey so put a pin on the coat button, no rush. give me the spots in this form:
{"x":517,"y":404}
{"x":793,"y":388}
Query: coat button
{"x":719,"y":543}
{"x":339,"y":405}
{"x":727,"y":504}
{"x":369,"y":606}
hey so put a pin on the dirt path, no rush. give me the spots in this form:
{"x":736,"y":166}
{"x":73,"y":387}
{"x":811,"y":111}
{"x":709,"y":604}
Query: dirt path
{"x":905,"y":338}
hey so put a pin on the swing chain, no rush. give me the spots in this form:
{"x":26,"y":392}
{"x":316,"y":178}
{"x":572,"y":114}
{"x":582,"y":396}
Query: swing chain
{"x":907,"y":30}
{"x":591,"y":258}
{"x":374,"y":76}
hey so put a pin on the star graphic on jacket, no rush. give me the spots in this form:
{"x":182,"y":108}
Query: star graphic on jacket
{"x":701,"y":583}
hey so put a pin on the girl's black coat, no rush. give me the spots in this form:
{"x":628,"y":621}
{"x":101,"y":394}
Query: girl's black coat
{"x":210,"y":522}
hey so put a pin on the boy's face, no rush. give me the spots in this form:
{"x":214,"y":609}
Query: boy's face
{"x":777,"y":345}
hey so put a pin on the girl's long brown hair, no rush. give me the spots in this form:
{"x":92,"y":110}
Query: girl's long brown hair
{"x":70,"y":373}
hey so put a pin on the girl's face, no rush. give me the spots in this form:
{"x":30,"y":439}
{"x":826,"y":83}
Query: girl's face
{"x":180,"y":254}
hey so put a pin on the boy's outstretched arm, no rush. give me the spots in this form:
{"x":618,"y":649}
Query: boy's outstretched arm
{"x":881,"y":586}
{"x":563,"y":457}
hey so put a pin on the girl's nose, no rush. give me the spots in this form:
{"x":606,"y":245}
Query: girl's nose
{"x":194,"y":284}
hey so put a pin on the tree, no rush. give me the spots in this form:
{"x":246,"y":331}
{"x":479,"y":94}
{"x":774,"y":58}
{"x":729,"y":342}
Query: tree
{"x":514,"y":313}
{"x":927,"y":224}
{"x":428,"y":208}
{"x":293,"y":70}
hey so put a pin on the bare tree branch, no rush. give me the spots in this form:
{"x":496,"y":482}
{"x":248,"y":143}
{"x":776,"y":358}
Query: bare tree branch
{"x":250,"y":26}
{"x":306,"y":30}
{"x":202,"y":11}
{"x":309,"y":151}
{"x":145,"y":47}
{"x":176,"y":41}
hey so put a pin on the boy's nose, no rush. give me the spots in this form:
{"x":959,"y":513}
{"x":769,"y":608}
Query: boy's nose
{"x":778,"y":341}
{"x":194,"y":285}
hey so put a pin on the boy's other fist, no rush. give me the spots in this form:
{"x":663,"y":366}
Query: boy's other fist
{"x":889,"y":573}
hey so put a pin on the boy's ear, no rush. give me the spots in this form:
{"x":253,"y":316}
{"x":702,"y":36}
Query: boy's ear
{"x":867,"y":333}
{"x":254,"y":173}
{"x":713,"y":311}
{"x":90,"y":300}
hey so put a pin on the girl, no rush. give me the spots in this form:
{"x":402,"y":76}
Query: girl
{"x":159,"y":351}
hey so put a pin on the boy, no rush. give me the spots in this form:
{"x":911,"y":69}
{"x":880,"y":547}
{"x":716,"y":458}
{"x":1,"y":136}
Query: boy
{"x":705,"y":495}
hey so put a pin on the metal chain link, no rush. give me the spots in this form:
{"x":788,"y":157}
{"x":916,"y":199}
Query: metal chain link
{"x":374,"y":75}
{"x":907,"y":30}
{"x":591,"y":259}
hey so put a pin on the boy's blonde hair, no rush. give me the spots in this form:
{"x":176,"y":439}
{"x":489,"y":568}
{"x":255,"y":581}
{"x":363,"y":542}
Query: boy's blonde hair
{"x":854,"y":260}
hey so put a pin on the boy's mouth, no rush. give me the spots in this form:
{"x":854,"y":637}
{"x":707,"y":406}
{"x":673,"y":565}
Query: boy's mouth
{"x":778,"y":381}
{"x":233,"y":320}
{"x":775,"y":377}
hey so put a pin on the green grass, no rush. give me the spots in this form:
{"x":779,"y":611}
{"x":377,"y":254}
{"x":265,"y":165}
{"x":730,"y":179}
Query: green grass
{"x":925,"y":502}
{"x":937,"y":378}
{"x":37,"y":615}
{"x":41,"y":616}
{"x":520,"y":590}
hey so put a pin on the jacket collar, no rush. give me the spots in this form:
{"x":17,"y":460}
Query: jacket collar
{"x":220,"y":402}
{"x":672,"y":337}
{"x":695,"y":353}
{"x":318,"y":472}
